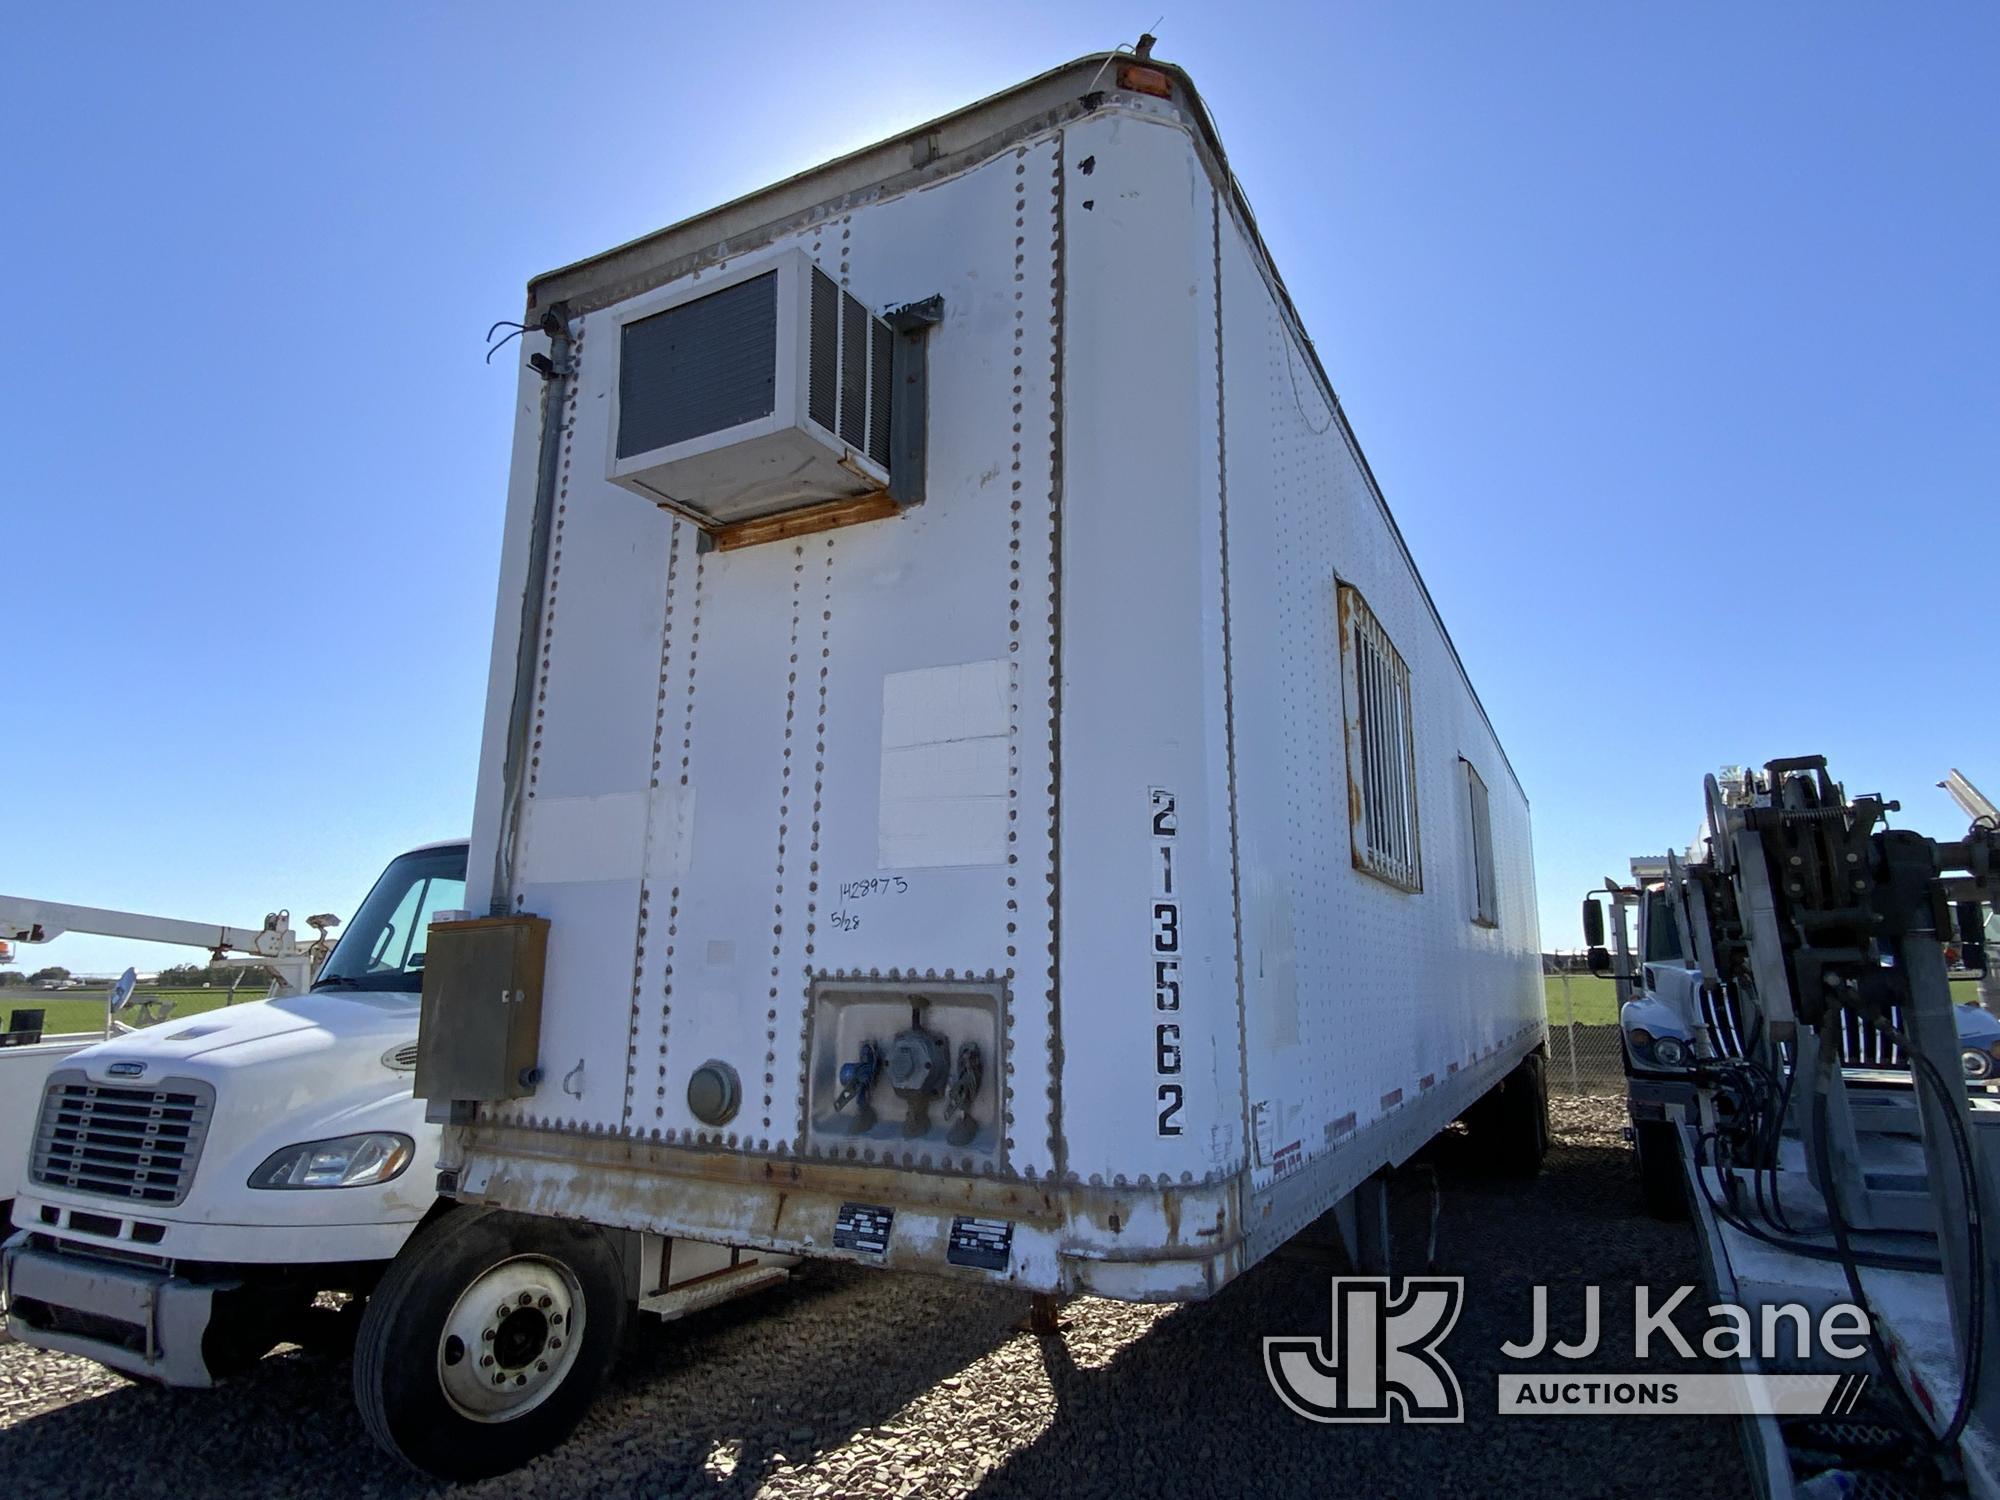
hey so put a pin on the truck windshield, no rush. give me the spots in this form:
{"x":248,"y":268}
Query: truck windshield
{"x":1663,"y":933}
{"x":383,"y":947}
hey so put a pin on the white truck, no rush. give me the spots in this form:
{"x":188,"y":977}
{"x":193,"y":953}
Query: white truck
{"x":972,"y":779}
{"x":188,"y":1188}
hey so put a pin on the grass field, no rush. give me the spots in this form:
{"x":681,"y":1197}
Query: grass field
{"x":83,"y":1010}
{"x":1595,"y":1001}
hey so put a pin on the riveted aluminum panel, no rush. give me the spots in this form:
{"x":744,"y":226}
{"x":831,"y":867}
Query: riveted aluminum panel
{"x":1361,"y":998}
{"x":724,"y":737}
{"x":1151,"y":1093}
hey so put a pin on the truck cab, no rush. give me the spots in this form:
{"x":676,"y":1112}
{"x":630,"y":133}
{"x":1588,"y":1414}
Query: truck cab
{"x":190,"y":1188}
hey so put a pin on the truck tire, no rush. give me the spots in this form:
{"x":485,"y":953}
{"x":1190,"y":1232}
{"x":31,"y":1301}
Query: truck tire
{"x":1510,"y":1125}
{"x":1657,"y":1145}
{"x":487,"y":1339}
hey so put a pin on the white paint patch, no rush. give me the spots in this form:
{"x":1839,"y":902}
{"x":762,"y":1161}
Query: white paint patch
{"x":1274,"y":978}
{"x":944,"y":766}
{"x":572,"y":839}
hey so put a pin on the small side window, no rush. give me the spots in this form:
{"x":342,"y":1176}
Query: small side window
{"x":1381,"y":748}
{"x":1486,"y":897}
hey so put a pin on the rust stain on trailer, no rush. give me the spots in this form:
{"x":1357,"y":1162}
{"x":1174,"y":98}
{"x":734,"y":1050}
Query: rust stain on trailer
{"x":628,"y":1173}
{"x":1170,"y":1208}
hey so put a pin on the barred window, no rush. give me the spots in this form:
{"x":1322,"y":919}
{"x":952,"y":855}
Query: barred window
{"x":1381,"y":748}
{"x":1486,"y":896}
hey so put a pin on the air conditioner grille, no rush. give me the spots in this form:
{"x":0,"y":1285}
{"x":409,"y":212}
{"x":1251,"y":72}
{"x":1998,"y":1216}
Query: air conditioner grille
{"x":704,"y":366}
{"x":823,"y":358}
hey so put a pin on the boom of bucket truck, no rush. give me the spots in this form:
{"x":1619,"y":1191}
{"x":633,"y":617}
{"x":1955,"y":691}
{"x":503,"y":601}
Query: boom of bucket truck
{"x":274,"y":945}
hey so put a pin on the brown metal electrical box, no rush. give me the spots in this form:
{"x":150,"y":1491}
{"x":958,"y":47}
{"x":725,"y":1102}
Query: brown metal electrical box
{"x":482,"y":1017}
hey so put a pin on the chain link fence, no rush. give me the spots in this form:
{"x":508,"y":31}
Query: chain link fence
{"x":1586,"y":1058}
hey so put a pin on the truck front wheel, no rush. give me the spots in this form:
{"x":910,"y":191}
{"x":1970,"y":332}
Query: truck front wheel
{"x":486,"y":1340}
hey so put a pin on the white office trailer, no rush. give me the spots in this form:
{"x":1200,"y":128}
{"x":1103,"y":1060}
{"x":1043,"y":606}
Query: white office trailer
{"x":1000,"y":798}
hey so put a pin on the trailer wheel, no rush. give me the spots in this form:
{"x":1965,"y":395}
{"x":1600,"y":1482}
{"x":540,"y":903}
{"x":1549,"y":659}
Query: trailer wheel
{"x":1512,"y":1122}
{"x":486,"y":1340}
{"x":1657,"y":1145}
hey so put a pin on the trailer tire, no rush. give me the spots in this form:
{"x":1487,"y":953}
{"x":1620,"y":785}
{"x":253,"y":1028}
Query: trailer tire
{"x":1657,"y":1145}
{"x":1514,"y":1119}
{"x":432,"y":1331}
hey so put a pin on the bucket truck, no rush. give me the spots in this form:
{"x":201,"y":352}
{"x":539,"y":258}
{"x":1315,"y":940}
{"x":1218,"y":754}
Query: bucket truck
{"x":1796,"y":1058}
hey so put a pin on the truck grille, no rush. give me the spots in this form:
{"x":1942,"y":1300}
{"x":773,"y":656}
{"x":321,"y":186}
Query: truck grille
{"x":1862,"y":1043}
{"x":136,"y":1144}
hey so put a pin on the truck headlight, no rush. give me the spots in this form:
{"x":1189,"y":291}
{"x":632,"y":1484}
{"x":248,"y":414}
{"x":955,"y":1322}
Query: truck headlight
{"x":344,"y":1161}
{"x":1977,"y":1064}
{"x":1670,"y":1052}
{"x":1662,"y":1051}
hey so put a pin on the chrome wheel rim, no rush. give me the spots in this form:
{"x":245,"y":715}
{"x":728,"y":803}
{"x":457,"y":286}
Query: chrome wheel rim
{"x":510,"y":1339}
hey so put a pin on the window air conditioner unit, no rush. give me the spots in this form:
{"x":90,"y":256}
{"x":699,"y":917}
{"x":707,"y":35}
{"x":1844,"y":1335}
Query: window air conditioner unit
{"x":752,"y":393}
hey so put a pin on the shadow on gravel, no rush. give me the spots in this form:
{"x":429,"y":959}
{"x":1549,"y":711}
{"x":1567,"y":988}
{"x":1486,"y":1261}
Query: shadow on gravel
{"x":1187,"y":1411}
{"x":702,"y":1407}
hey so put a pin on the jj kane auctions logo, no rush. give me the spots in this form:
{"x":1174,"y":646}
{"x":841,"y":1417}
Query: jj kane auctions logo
{"x":1382,"y":1360}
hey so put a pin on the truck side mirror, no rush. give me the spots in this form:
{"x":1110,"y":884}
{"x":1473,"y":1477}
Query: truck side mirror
{"x":1593,"y":924}
{"x":1599,"y":961}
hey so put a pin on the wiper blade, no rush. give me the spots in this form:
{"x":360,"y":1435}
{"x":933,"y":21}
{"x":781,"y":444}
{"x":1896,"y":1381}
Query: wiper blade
{"x":327,"y":981}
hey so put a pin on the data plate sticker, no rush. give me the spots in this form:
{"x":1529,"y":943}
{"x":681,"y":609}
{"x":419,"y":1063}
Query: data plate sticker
{"x":984,"y":1243}
{"x":863,"y":1227}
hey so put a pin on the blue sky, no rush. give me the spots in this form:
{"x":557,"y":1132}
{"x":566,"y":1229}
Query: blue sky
{"x":1671,"y":332}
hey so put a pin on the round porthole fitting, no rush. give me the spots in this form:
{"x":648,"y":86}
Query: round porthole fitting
{"x":714,"y":1092}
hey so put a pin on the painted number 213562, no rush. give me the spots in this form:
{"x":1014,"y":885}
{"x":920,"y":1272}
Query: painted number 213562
{"x":1164,"y":827}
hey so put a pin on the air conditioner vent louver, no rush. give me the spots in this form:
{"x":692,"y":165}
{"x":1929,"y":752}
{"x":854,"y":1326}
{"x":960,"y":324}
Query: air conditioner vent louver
{"x":764,"y":393}
{"x":823,"y":394}
{"x":853,"y":372}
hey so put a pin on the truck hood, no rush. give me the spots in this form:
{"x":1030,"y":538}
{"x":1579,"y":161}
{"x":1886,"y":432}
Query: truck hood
{"x":260,"y":1032}
{"x":301,"y":1068}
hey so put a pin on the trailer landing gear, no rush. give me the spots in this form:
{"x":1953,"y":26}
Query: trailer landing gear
{"x":486,"y":1341}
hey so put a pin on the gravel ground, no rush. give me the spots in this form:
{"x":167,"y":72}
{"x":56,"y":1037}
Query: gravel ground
{"x":846,"y":1382}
